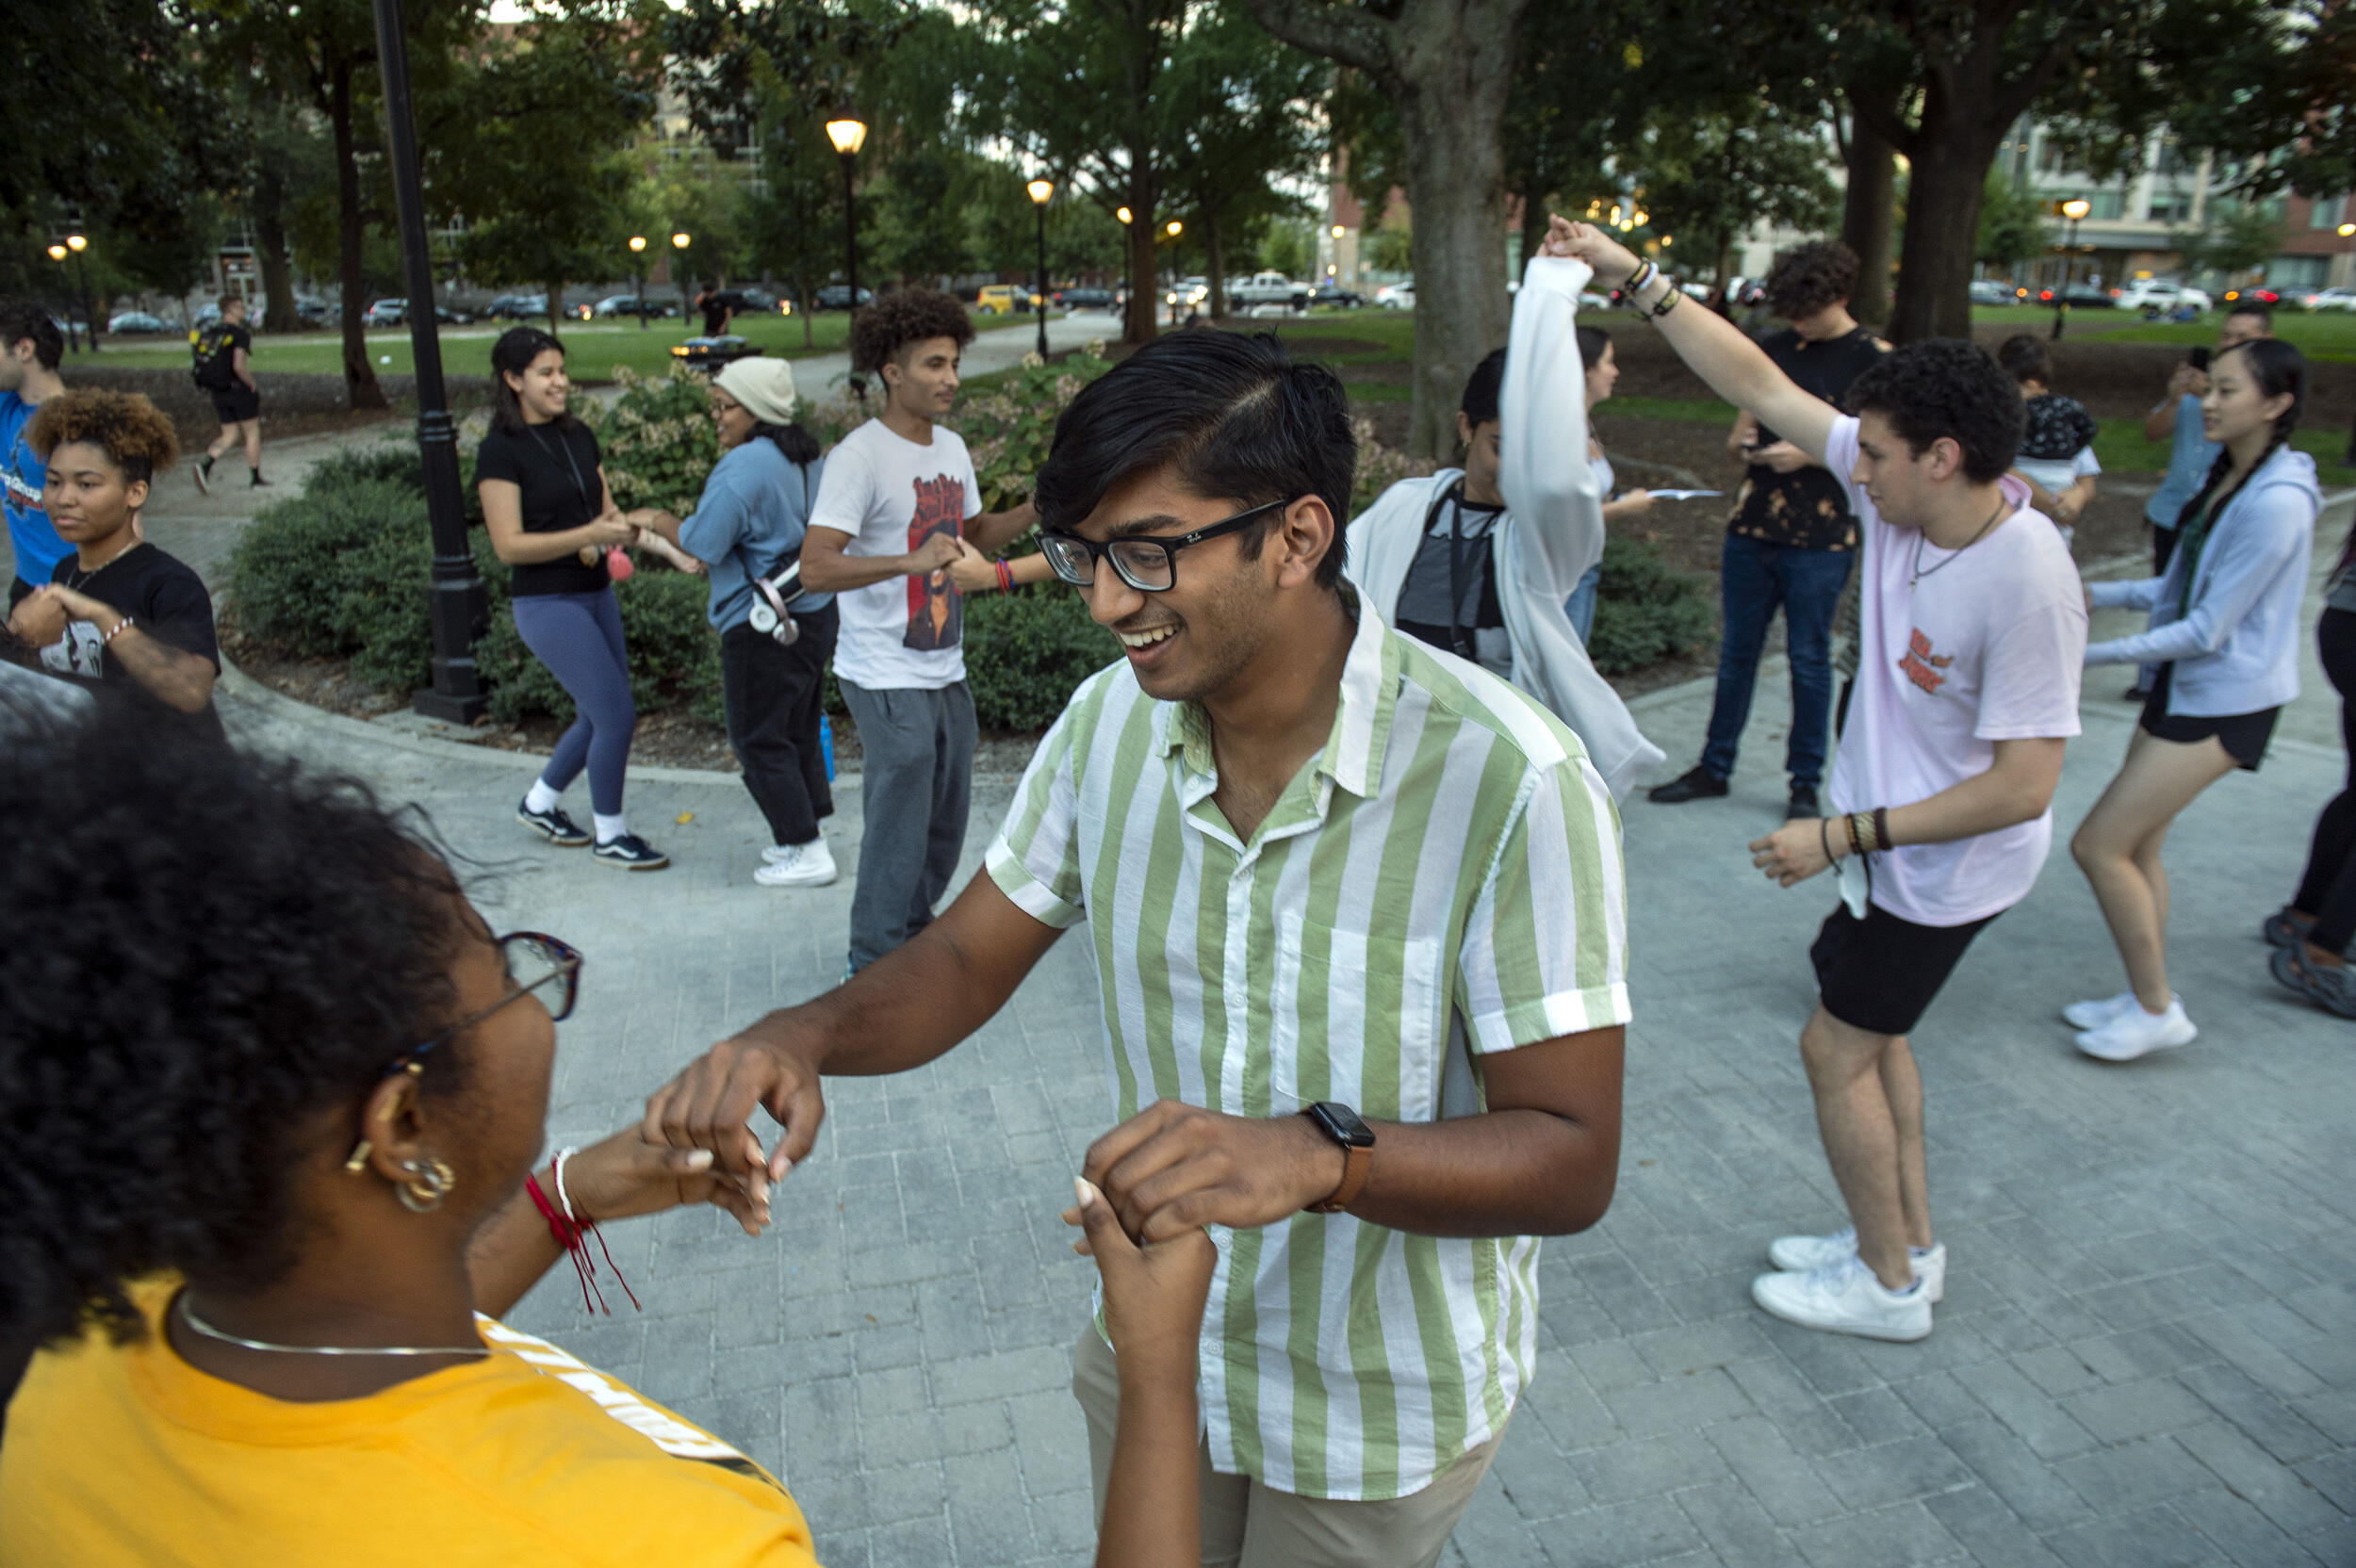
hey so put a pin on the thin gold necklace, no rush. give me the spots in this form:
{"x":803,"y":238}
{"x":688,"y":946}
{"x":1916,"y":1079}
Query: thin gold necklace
{"x":1919,"y":573}
{"x":187,"y":1316}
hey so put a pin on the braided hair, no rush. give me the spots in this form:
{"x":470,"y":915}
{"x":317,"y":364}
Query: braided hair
{"x":2279,"y":369}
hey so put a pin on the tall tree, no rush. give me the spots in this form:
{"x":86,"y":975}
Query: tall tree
{"x":1449,"y":67}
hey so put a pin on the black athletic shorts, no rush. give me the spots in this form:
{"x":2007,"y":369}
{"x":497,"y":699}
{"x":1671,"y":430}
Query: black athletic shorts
{"x":2243,"y":736}
{"x":237,"y":404}
{"x":1879,"y":973}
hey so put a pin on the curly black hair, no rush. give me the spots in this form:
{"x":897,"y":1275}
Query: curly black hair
{"x":201,"y":953}
{"x":136,"y":436}
{"x":1944,"y":387}
{"x":2025,"y":355}
{"x":885,"y":329}
{"x":1805,"y":281}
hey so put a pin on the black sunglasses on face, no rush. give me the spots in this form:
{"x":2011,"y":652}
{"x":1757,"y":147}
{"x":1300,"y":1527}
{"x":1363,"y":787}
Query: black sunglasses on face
{"x":532,"y":959}
{"x":1149,"y":565}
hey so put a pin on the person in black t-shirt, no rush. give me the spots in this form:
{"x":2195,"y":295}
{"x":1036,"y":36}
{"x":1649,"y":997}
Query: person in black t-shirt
{"x":118,"y":611}
{"x":225,"y":370}
{"x":1791,"y":539}
{"x":552,"y":519}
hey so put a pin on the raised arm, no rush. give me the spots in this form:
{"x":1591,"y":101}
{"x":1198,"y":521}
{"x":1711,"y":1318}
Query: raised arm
{"x":1545,"y":474}
{"x":1735,"y":367}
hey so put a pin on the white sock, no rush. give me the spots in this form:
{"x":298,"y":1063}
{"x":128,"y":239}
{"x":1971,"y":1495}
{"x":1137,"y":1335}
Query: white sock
{"x":609,"y":828}
{"x":540,"y":797}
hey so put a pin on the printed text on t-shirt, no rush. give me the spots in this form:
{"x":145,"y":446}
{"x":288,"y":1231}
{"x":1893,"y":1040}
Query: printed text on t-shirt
{"x":1922,"y":665}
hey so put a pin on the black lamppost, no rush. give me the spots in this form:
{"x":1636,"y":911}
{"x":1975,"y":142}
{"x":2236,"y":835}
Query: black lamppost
{"x":1173,"y":229}
{"x":78,"y":244}
{"x":1042,"y":191}
{"x":58,"y":254}
{"x":849,"y":136}
{"x":2073,"y":209}
{"x":457,"y":607}
{"x":638,"y":276}
{"x":1128,"y":267}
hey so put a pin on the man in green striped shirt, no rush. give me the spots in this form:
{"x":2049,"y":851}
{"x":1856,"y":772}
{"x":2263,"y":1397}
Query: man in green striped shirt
{"x":1359,"y":923}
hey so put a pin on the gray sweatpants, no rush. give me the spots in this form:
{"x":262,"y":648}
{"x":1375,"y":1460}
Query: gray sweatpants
{"x":916,"y":788}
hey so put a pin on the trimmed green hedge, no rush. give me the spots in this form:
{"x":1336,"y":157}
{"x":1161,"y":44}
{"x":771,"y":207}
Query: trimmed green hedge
{"x":1645,"y":609}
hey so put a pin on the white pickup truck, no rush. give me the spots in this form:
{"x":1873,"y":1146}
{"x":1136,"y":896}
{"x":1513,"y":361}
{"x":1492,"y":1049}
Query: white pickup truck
{"x":1269,"y":288}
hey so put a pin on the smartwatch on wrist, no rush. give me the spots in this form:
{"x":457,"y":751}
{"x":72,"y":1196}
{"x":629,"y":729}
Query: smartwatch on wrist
{"x":1356,"y":1139}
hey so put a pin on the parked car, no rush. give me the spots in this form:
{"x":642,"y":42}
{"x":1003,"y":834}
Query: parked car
{"x":2159,"y":296}
{"x":2331,"y":299}
{"x":710,"y":353}
{"x":517,"y":307}
{"x":138,"y":323}
{"x":313,"y":312}
{"x":626,"y":304}
{"x":1268,"y":288}
{"x":1397,"y":296}
{"x":2256,"y":296}
{"x":837,"y":296}
{"x":1085,"y":299}
{"x":1003,"y":299}
{"x":1990,"y":291}
{"x":385,"y":313}
{"x":1190,"y":292}
{"x":1333,"y":294}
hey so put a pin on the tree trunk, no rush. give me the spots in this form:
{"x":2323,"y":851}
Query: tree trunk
{"x":1948,"y":176}
{"x":269,"y":243}
{"x":1145,"y":292}
{"x":359,"y":375}
{"x":1723,"y":267}
{"x":1868,"y":213}
{"x":556,"y":309}
{"x":1535,"y":217}
{"x":1214,"y":274}
{"x":1452,"y":91}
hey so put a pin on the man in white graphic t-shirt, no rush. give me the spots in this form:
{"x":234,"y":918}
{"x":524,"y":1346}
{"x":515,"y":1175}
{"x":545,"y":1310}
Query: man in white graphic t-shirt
{"x":1974,"y":632}
{"x":897,"y":507}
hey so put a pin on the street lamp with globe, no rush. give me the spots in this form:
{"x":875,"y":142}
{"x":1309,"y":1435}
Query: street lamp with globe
{"x":848,"y":136}
{"x":1042,"y":191}
{"x":678,"y":243}
{"x":57,"y":254}
{"x":2073,"y":209}
{"x":78,"y":244}
{"x":1173,"y":229}
{"x":638,"y":276}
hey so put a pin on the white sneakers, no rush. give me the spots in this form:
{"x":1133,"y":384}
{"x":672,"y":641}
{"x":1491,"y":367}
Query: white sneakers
{"x":2130,"y":1031}
{"x":809,"y":865}
{"x":1844,"y":1298}
{"x":2093,"y":1015}
{"x":1807,"y":1254}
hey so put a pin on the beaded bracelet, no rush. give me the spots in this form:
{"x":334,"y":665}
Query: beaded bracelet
{"x":120,"y":628}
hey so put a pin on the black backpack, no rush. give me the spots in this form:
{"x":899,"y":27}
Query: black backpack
{"x":215,"y":352}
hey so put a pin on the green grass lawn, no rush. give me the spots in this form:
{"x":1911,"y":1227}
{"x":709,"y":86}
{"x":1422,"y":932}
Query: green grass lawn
{"x":594,"y":347}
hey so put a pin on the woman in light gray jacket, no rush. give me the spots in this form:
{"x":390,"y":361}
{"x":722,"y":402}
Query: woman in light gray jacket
{"x":2225,"y":634}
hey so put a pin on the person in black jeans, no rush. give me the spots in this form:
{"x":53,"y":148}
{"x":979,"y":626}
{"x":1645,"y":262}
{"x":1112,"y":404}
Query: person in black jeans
{"x":748,"y":524}
{"x":2312,"y":934}
{"x":1791,"y":539}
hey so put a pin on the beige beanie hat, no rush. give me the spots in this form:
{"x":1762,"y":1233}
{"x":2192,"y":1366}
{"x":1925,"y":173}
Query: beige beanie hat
{"x":763,"y":386}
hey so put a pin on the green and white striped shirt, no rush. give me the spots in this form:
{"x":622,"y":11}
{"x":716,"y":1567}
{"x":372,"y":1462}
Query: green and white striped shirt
{"x":1442,"y":882}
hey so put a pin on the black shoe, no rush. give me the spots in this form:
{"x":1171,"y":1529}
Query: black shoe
{"x":203,"y":471}
{"x":630,"y":853}
{"x":259,"y":483}
{"x":2135,"y":694}
{"x":1698,"y":784}
{"x":1803,"y":804}
{"x":551,"y":825}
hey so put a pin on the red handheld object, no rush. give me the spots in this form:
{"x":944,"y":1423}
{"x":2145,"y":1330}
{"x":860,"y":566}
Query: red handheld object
{"x":618,"y":565}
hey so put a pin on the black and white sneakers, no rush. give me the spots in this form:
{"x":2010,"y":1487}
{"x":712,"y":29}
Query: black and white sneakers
{"x":630,"y":853}
{"x":551,"y":825}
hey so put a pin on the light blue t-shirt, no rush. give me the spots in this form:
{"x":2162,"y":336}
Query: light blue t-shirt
{"x":37,"y":548}
{"x":753,"y":512}
{"x":2189,"y":458}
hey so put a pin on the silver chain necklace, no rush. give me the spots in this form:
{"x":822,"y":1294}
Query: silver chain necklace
{"x":187,"y":1316}
{"x":1919,"y":574}
{"x":76,"y":579}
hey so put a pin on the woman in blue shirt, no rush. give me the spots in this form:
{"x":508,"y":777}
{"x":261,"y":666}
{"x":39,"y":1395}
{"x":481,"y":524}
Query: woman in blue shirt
{"x":748,"y":524}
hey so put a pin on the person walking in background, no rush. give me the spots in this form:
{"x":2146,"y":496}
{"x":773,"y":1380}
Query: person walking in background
{"x":2311,"y":933}
{"x":1793,"y":536}
{"x":1603,"y":371}
{"x":715,"y":306}
{"x":897,"y":505}
{"x":2057,"y":451}
{"x":2224,"y":632}
{"x":1479,"y":560}
{"x":31,"y":349}
{"x":1973,"y":631}
{"x":224,"y":353}
{"x":749,"y":524}
{"x":545,"y":503}
{"x":117,"y":610}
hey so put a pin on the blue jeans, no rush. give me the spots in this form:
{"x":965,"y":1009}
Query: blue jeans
{"x":1754,"y":578}
{"x":1580,"y":606}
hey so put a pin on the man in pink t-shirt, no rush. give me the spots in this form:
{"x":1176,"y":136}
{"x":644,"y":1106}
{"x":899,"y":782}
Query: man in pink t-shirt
{"x":1974,"y":634}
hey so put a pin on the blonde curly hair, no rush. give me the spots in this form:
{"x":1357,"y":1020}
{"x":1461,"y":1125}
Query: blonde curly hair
{"x":136,"y":436}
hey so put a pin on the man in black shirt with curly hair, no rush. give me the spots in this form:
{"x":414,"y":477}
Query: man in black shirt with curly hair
{"x":1793,"y":536}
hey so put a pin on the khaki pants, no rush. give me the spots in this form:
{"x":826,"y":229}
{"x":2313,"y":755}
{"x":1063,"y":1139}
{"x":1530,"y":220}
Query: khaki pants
{"x":1249,"y":1525}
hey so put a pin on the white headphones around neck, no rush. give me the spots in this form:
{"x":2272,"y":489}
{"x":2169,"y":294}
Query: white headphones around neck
{"x":770,"y":595}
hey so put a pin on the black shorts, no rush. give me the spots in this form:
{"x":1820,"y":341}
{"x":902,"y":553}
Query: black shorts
{"x":237,"y":404}
{"x":2243,"y":736}
{"x":1879,"y":973}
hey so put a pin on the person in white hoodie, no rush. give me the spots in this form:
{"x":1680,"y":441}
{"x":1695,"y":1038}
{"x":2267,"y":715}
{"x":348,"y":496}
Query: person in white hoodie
{"x":2225,"y":634}
{"x":1502,"y":540}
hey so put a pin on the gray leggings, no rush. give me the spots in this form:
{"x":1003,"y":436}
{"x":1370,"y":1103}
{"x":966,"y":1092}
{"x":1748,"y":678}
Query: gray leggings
{"x":579,"y":637}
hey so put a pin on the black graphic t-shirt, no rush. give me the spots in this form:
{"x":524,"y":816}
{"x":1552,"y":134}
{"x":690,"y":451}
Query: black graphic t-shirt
{"x":2059,"y":427}
{"x":164,"y":598}
{"x":1806,"y":509}
{"x":555,"y":466}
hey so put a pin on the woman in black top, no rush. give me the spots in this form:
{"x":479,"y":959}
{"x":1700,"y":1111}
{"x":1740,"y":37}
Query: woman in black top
{"x":118,"y":611}
{"x":553,"y":520}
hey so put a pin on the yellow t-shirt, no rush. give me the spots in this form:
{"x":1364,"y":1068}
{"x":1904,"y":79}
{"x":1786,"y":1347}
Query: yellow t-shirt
{"x":123,"y":1456}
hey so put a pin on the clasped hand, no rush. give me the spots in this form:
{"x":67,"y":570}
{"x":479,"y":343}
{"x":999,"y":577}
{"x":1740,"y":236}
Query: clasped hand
{"x":40,"y":619}
{"x":1173,"y":1167}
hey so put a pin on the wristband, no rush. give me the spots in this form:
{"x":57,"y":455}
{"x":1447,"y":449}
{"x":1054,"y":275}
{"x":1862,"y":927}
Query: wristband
{"x":120,"y":628}
{"x":1005,"y":575}
{"x":1881,"y":828}
{"x":1850,"y":822}
{"x":1824,"y":837}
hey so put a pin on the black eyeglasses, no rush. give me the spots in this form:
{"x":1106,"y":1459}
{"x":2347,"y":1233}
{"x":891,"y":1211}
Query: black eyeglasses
{"x":532,"y":959}
{"x":1149,"y":565}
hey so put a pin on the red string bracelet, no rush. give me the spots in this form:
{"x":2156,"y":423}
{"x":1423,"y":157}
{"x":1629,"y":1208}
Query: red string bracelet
{"x":572,"y":1234}
{"x":1005,"y":575}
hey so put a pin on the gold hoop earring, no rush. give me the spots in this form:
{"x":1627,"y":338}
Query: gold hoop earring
{"x":430,"y":1182}
{"x":359,"y":1159}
